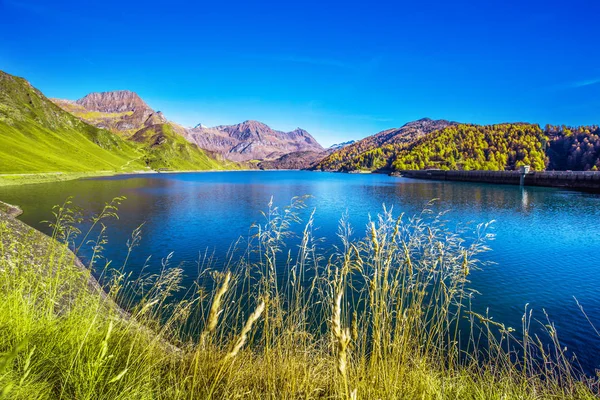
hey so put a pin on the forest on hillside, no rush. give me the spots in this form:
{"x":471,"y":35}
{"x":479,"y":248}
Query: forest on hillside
{"x":477,"y":147}
{"x":480,"y":147}
{"x":575,"y":149}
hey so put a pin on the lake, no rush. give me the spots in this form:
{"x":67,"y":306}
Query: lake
{"x":546,"y":252}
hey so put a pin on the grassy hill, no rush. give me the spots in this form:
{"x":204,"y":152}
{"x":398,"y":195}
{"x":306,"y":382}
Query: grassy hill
{"x":373,"y":152}
{"x":165,"y":148}
{"x":456,"y":146}
{"x":476,"y":147}
{"x":38,"y":136}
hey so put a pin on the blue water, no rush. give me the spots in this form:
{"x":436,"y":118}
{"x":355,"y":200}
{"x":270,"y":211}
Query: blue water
{"x":547,"y":247}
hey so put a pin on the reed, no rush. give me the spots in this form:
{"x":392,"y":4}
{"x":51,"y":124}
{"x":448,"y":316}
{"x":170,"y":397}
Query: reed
{"x":389,"y":315}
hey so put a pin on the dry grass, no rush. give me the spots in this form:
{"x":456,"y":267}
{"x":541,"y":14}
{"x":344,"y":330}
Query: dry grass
{"x":387,"y":316}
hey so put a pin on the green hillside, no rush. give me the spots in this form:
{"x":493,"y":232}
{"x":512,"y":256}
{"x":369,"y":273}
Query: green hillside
{"x":476,"y":147}
{"x":453,"y":146}
{"x":472,"y":147}
{"x":38,"y":136}
{"x":164,"y":148}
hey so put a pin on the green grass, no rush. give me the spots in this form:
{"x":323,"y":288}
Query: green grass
{"x":375,"y":320}
{"x":30,"y":148}
{"x":38,"y":137}
{"x":43,"y":177}
{"x":165,"y":149}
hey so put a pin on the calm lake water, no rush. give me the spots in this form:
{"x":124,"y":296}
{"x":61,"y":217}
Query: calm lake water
{"x":547,"y":247}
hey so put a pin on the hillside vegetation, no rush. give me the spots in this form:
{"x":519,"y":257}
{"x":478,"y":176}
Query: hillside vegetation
{"x":374,"y":152}
{"x":381,"y":317}
{"x":164,"y":148}
{"x":576,"y":149}
{"x":474,"y":147}
{"x":38,"y":136}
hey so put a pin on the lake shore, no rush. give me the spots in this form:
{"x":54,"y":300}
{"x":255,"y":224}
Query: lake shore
{"x":585,"y":181}
{"x":78,"y":343}
{"x":47,"y":177}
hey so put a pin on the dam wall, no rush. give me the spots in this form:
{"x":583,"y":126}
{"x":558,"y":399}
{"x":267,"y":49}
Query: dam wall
{"x":577,"y":180}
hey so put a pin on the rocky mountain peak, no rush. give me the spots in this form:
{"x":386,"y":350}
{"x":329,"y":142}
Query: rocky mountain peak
{"x":299,"y":131}
{"x":252,"y":140}
{"x":113,"y":102}
{"x":253,"y":126}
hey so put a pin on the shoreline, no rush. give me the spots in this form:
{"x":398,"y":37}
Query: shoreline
{"x":10,"y":210}
{"x":48,"y":177}
{"x":9,"y":215}
{"x":581,"y":181}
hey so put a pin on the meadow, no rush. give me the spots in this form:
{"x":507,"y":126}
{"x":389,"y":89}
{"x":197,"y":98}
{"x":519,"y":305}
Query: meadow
{"x":385,"y":316}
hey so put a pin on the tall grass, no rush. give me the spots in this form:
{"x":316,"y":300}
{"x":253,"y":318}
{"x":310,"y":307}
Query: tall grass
{"x":386,"y":316}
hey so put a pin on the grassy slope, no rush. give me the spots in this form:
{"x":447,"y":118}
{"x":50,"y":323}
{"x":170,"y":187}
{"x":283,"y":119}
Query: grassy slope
{"x":38,"y":136}
{"x":58,"y":340}
{"x":476,"y":147}
{"x":165,"y":148}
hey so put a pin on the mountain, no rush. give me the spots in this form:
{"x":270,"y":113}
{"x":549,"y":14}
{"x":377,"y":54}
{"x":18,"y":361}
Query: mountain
{"x":339,"y":146}
{"x":38,"y":136}
{"x":124,"y":112}
{"x":370,"y":152}
{"x":166,"y":148}
{"x":476,"y":147}
{"x":120,"y":111}
{"x":252,"y":140}
{"x":302,"y":159}
{"x":295,"y":160}
{"x":428,"y":144}
{"x":162,"y":142}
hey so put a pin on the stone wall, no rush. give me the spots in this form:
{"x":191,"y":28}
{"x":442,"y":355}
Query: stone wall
{"x":580,"y":180}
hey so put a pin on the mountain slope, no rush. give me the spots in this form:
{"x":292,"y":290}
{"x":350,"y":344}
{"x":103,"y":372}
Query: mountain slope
{"x":476,"y":147}
{"x":374,"y":152}
{"x":120,"y":111}
{"x":162,"y":141}
{"x":302,"y":159}
{"x":295,"y":160}
{"x":165,"y":148}
{"x":252,"y":140}
{"x":573,"y":148}
{"x":38,"y":136}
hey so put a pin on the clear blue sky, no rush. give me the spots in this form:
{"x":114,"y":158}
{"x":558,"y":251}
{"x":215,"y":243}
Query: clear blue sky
{"x":340,"y":70}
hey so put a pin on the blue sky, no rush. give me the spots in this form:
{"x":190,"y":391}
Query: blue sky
{"x":341,"y":70}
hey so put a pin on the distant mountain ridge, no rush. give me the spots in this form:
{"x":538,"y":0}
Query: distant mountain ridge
{"x":162,"y":142}
{"x":113,"y":102}
{"x":125,"y":112}
{"x":338,"y":146}
{"x":420,"y":144}
{"x":302,"y":159}
{"x":252,"y":140}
